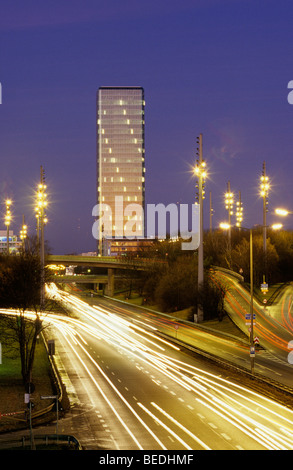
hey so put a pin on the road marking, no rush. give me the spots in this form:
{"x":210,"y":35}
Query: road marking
{"x":213,"y":425}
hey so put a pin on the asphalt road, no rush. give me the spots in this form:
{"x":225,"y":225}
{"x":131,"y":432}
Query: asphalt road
{"x":132,"y":389}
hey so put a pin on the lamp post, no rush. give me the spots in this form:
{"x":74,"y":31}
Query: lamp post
{"x":41,"y":217}
{"x":200,"y":172}
{"x":7,"y":220}
{"x":229,"y":201}
{"x":23,"y":232}
{"x":264,"y":191}
{"x":226,"y":226}
{"x":239,"y":212}
{"x":283,"y":212}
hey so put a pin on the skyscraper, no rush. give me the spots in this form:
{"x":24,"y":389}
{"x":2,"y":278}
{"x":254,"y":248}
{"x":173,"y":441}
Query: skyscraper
{"x":120,"y":162}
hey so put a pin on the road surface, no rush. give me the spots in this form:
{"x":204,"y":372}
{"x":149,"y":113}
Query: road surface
{"x":132,"y":389}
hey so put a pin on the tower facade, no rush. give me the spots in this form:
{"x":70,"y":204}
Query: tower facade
{"x":120,"y":162}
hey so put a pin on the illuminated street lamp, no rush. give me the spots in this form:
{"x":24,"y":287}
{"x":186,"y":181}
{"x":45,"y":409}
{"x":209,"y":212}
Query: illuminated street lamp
{"x":7,"y":221}
{"x":41,"y":220}
{"x":264,"y":191}
{"x":283,"y":212}
{"x":277,"y":226}
{"x":23,"y":232}
{"x":229,"y":201}
{"x":239,"y":212}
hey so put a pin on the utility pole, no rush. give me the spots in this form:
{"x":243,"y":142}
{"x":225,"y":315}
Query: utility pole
{"x":252,"y":350}
{"x":264,"y":190}
{"x":7,"y":219}
{"x":41,"y":205}
{"x":229,"y":199}
{"x":200,"y":171}
{"x":211,"y":213}
{"x":239,"y":212}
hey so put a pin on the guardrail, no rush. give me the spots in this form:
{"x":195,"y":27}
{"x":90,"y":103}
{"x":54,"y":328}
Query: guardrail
{"x":228,"y":271}
{"x":41,"y":441}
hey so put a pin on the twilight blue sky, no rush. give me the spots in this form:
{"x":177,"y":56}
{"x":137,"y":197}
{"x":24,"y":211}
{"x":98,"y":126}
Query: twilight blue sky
{"x":216,"y":67}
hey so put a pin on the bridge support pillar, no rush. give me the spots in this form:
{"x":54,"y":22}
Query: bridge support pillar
{"x":110,"y":285}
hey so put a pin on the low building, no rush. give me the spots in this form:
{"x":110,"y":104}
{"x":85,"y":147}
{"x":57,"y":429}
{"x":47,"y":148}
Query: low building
{"x":14,"y":243}
{"x":125,"y":246}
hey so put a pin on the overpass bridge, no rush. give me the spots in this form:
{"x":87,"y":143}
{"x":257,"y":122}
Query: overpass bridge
{"x":108,"y":262}
{"x":100,"y":261}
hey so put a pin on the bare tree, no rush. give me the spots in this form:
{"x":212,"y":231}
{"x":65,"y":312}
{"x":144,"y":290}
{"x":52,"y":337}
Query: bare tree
{"x":20,"y":282}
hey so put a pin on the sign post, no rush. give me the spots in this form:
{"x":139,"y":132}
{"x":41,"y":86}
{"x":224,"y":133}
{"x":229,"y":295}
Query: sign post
{"x":53,"y":397}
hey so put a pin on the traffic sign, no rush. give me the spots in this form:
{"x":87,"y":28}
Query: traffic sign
{"x":256,"y":340}
{"x":248,"y":318}
{"x":26,"y":398}
{"x":264,"y":287}
{"x":252,"y":351}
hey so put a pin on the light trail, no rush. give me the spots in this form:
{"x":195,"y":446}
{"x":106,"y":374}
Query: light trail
{"x":183,"y":428}
{"x":120,"y":396}
{"x":167,"y":428}
{"x":266,"y":422}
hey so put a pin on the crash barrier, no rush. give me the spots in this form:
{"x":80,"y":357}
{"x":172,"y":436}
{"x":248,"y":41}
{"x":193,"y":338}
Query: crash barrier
{"x":41,"y":441}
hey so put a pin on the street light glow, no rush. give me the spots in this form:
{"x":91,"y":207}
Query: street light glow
{"x":225,"y":226}
{"x":277,"y":226}
{"x":264,"y":185}
{"x":282,"y":212}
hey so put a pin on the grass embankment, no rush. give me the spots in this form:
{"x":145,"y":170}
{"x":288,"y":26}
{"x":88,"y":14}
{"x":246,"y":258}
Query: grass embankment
{"x":12,"y":388}
{"x":226,"y":325}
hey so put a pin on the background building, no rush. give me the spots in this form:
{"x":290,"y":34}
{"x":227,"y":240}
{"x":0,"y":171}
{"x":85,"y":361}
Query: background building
{"x":120,"y":160}
{"x":14,"y":243}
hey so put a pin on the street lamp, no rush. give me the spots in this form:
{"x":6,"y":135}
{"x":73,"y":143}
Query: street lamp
{"x":41,"y":219}
{"x":239,"y":212}
{"x":283,"y":212}
{"x":229,"y":201}
{"x":7,"y":220}
{"x":264,"y":191}
{"x":201,"y":173}
{"x":23,"y":232}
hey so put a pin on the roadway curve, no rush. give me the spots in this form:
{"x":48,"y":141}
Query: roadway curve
{"x":271,"y":327}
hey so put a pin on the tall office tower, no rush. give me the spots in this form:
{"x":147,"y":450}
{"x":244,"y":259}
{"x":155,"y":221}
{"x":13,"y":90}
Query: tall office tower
{"x":120,"y":162}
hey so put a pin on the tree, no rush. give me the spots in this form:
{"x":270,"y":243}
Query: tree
{"x":283,"y":242}
{"x":211,"y":297}
{"x":20,"y":283}
{"x":177,"y":288}
{"x":240,"y":257}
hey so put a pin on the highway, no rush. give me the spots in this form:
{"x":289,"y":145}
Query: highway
{"x":132,"y":389}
